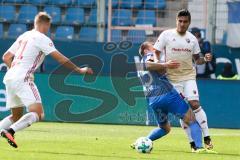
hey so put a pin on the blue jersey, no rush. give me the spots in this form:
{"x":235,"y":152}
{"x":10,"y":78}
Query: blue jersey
{"x":160,"y":94}
{"x":154,"y":83}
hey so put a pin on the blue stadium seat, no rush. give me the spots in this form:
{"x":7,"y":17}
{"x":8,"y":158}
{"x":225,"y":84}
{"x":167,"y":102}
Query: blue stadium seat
{"x":131,"y":4}
{"x":16,"y":29}
{"x":136,"y":36}
{"x":14,"y":1}
{"x":27,"y":14}
{"x":86,"y":3}
{"x":7,"y":13}
{"x":60,"y":2}
{"x":74,"y":16}
{"x":37,"y":2}
{"x":114,"y":3}
{"x":1,"y":30}
{"x":54,"y":12}
{"x":122,"y":17}
{"x":64,"y":32}
{"x":93,"y":17}
{"x":154,"y":4}
{"x":116,"y":36}
{"x":146,"y":17}
{"x":88,"y":34}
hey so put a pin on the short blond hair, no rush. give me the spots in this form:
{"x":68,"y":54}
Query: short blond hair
{"x":42,"y":17}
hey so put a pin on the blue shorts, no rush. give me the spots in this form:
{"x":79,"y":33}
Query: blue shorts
{"x":170,"y":102}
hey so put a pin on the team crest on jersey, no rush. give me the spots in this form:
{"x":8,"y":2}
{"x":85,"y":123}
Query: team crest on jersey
{"x":188,"y":40}
{"x":50,"y":44}
{"x":174,"y":39}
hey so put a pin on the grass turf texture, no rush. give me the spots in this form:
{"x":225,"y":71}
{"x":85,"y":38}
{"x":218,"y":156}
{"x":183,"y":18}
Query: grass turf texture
{"x":63,"y":141}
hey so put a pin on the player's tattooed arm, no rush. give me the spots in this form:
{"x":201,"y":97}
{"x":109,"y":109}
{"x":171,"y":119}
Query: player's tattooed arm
{"x":201,"y":60}
{"x":66,"y":62}
{"x":8,"y":58}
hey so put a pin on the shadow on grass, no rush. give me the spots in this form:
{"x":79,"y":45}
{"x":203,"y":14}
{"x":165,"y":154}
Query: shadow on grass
{"x":114,"y":155}
{"x":86,"y":155}
{"x":217,"y":154}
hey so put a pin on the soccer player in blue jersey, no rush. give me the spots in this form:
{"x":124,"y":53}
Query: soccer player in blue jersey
{"x":161,"y":96}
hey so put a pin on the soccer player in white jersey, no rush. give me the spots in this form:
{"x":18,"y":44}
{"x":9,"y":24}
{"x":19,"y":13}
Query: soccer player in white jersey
{"x":179,"y":44}
{"x":24,"y":56}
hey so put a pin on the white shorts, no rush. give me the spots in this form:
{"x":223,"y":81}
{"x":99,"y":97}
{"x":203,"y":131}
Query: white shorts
{"x":188,"y":89}
{"x":21,"y":94}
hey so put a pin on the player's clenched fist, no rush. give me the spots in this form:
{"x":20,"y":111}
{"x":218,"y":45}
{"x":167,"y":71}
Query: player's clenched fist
{"x":86,"y":70}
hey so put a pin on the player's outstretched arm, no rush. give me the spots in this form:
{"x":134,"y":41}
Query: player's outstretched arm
{"x":68,"y":64}
{"x":8,"y":58}
{"x":172,"y":64}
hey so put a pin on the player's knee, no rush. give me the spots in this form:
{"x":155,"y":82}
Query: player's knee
{"x":15,"y":118}
{"x":41,"y":116}
{"x":194,"y":104}
{"x":188,"y":117}
{"x":167,"y":128}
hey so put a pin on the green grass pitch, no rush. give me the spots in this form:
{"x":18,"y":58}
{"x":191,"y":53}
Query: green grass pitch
{"x":63,"y":141}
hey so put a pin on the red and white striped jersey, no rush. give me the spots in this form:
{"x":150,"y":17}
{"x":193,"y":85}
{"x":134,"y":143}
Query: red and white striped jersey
{"x":29,"y":51}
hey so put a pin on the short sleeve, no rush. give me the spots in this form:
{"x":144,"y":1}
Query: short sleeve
{"x":46,"y":45}
{"x":196,"y":48}
{"x":146,"y":58}
{"x":149,"y":57}
{"x":161,"y":42}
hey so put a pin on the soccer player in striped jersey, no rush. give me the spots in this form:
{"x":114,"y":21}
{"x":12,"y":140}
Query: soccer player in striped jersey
{"x":23,"y":58}
{"x":181,"y":45}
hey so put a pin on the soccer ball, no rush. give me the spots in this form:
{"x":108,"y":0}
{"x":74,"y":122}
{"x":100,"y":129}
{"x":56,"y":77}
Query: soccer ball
{"x":144,"y":145}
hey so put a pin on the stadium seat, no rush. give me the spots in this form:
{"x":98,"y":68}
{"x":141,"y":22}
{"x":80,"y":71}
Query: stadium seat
{"x":154,"y":4}
{"x":136,"y":36}
{"x":64,"y":33}
{"x":93,"y":17}
{"x":74,"y":16}
{"x":131,"y":4}
{"x":1,"y":30}
{"x":122,"y":17}
{"x":37,"y":2}
{"x":86,"y":3}
{"x":7,"y":13}
{"x":60,"y":2}
{"x":116,"y":36}
{"x":14,"y":1}
{"x":146,"y":17}
{"x":54,"y":12}
{"x":88,"y":34}
{"x":16,"y":29}
{"x":114,"y":3}
{"x":27,"y":14}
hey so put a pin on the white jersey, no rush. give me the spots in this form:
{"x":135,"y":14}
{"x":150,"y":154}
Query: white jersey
{"x":181,"y":48}
{"x":29,"y":51}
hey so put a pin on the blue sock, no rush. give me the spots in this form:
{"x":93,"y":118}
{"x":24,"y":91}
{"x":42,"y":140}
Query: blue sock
{"x":156,"y":134}
{"x":196,"y":134}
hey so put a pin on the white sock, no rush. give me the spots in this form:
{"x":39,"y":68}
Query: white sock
{"x":202,"y":120}
{"x":25,"y":121}
{"x":187,"y":130}
{"x":6,"y":122}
